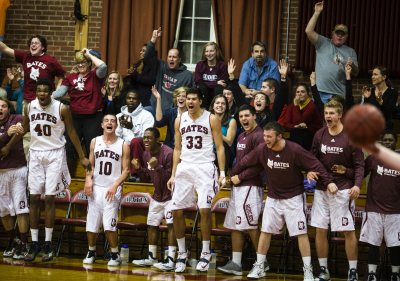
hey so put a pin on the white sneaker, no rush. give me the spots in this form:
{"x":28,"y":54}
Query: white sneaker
{"x":204,"y":262}
{"x":323,"y":274}
{"x":145,"y":262}
{"x":115,"y":260}
{"x":308,"y":273}
{"x":181,"y":261}
{"x":167,"y":265}
{"x":90,"y":257}
{"x":257,"y":271}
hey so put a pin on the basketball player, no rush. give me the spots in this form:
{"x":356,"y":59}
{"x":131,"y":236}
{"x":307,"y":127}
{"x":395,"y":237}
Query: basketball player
{"x":335,"y":207}
{"x":13,"y":179}
{"x":48,"y":174}
{"x":246,"y":197}
{"x":157,"y":166}
{"x":109,"y":155}
{"x":382,"y":217}
{"x":283,"y":161}
{"x":193,"y":171}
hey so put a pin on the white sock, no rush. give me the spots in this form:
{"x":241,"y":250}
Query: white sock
{"x":35,"y":235}
{"x":237,"y":257}
{"x":261,"y":258}
{"x":372,"y":268}
{"x":395,"y":268}
{"x":92,"y":248}
{"x":353,"y":264}
{"x":114,"y":250}
{"x":172,"y":251}
{"x":181,"y":244}
{"x":307,"y":260}
{"x":153,"y":251}
{"x":323,"y":262}
{"x":49,"y":234}
{"x":206,"y":247}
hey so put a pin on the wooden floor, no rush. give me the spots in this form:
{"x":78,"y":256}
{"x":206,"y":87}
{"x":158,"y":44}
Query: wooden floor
{"x":73,"y":270}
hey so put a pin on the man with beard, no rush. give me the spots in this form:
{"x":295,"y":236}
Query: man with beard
{"x":256,"y":69}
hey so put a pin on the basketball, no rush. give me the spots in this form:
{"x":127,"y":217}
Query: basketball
{"x":364,"y":124}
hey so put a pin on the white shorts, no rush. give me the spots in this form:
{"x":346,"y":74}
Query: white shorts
{"x":48,"y":172}
{"x":191,"y":179}
{"x":244,"y":208}
{"x":291,"y":211}
{"x":334,"y":209}
{"x":102,"y":212}
{"x":13,"y":192}
{"x":158,"y":211}
{"x":377,"y":226}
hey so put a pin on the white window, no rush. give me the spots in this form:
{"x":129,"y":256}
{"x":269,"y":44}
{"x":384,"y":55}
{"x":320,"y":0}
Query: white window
{"x":195,"y":28}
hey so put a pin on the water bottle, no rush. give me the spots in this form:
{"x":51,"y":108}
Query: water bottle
{"x":124,"y":253}
{"x":213,"y":261}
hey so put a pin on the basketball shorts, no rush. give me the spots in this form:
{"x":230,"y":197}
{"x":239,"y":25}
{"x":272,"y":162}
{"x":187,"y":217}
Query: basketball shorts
{"x":377,"y":226}
{"x":158,"y":211}
{"x":13,"y":192}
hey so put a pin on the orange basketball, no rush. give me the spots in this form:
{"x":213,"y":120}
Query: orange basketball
{"x":364,"y":124}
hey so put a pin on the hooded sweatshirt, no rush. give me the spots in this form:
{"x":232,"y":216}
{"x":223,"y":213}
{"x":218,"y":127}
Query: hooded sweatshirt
{"x":141,"y":120}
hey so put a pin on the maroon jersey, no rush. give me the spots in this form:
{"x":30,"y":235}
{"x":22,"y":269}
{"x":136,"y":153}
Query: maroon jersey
{"x":383,"y":193}
{"x":160,"y":175}
{"x":44,"y":66}
{"x":16,"y":157}
{"x":284,"y":168}
{"x":209,"y":76}
{"x":336,"y":150}
{"x":246,"y":143}
{"x":85,"y":92}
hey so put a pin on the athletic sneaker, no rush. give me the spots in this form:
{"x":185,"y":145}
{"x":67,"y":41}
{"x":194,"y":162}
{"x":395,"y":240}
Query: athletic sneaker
{"x":167,"y":265}
{"x":47,"y":252}
{"x":32,"y":252}
{"x":395,"y":276}
{"x":352,"y":276}
{"x":308,"y":273}
{"x":257,"y":272}
{"x":20,"y":252}
{"x":146,"y":262}
{"x":204,"y":262}
{"x":231,"y":268}
{"x":90,"y":257}
{"x":181,"y":261}
{"x":266,"y":266}
{"x":323,"y":274}
{"x":11,"y":248}
{"x":115,"y":260}
{"x":372,"y":276}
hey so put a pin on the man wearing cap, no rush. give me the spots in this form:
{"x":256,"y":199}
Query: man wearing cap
{"x":332,"y":57}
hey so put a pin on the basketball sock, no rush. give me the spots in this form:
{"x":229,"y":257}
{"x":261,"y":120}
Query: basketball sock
{"x":372,"y":268}
{"x":114,"y":250}
{"x":306,"y":260}
{"x":153,"y":251}
{"x":24,"y":237}
{"x":395,"y":257}
{"x":172,"y":251}
{"x":373,"y":256}
{"x":49,"y":234}
{"x":92,"y":248}
{"x":395,"y":268}
{"x":261,"y":258}
{"x":323,"y":262}
{"x":206,"y":246}
{"x":353,"y":264}
{"x":237,"y":257}
{"x":35,"y":235}
{"x":181,"y":244}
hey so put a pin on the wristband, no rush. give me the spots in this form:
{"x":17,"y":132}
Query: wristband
{"x":222,"y":173}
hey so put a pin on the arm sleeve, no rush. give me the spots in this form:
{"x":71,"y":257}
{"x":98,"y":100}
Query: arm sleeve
{"x":61,"y":91}
{"x":358,"y":164}
{"x":281,"y":99}
{"x":101,"y":71}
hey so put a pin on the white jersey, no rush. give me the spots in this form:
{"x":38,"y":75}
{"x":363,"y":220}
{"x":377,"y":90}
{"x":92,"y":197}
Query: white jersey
{"x":197,"y":139}
{"x":108,"y":162}
{"x":46,"y":126}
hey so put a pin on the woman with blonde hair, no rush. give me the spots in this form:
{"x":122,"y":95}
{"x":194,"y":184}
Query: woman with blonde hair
{"x":112,"y":93}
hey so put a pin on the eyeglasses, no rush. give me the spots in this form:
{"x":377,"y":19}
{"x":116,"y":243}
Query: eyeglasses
{"x":82,"y":63}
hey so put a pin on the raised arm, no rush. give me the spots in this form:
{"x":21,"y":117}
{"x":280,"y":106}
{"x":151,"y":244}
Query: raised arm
{"x":6,"y":50}
{"x":310,"y":29}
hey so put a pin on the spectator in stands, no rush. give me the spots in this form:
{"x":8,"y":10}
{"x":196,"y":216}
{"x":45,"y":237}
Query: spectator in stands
{"x":35,"y":63}
{"x":210,"y":73}
{"x":156,"y":167}
{"x":301,"y":118}
{"x":171,"y":74}
{"x":112,"y":93}
{"x":16,"y":96}
{"x":256,"y":69}
{"x":84,"y":90}
{"x":382,"y":210}
{"x":381,"y":95}
{"x":219,"y":107}
{"x":167,"y":118}
{"x":332,"y":57}
{"x":142,"y":74}
{"x":132,"y":122}
{"x":261,"y":105}
{"x":233,"y":92}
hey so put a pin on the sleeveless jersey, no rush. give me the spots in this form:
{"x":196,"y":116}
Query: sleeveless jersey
{"x":108,"y":162}
{"x":46,"y":126}
{"x":197,"y":139}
